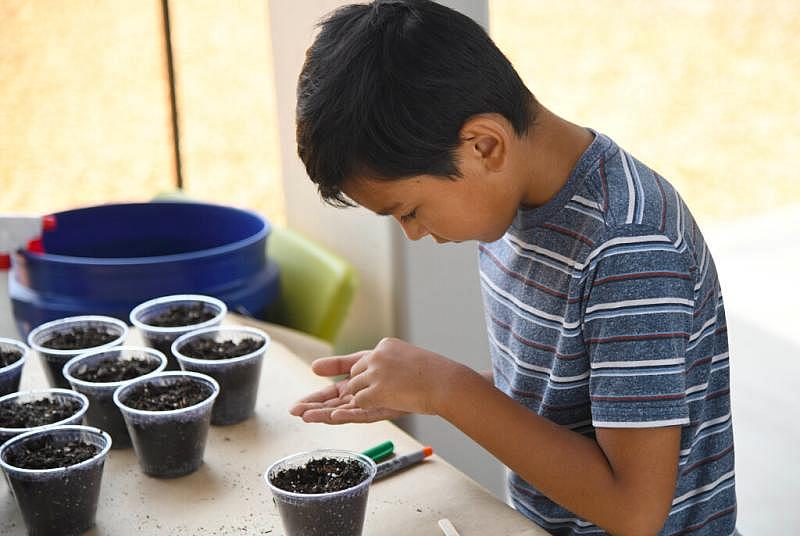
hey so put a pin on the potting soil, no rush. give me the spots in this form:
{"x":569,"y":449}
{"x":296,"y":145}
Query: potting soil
{"x":321,"y":475}
{"x":79,"y":337}
{"x":182,"y":315}
{"x":178,"y":394}
{"x":44,"y":453}
{"x":63,"y":502}
{"x":32,"y":413}
{"x":6,"y":358}
{"x":208,"y":348}
{"x":339,"y":515}
{"x":114,"y":370}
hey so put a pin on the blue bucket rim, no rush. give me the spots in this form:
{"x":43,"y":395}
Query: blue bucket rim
{"x":178,"y":257}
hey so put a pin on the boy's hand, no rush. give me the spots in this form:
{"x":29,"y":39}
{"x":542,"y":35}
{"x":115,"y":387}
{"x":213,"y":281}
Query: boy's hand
{"x":320,"y":405}
{"x":387,"y":382}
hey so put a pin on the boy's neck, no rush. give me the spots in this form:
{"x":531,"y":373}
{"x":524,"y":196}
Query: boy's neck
{"x":549,"y":153}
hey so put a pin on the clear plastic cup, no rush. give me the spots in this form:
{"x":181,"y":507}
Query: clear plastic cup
{"x":62,"y":500}
{"x":102,"y":412}
{"x":168,"y":443}
{"x":338,"y":513}
{"x":54,"y":359}
{"x":161,"y":337}
{"x":52,"y":393}
{"x":238,"y":377}
{"x":11,"y":373}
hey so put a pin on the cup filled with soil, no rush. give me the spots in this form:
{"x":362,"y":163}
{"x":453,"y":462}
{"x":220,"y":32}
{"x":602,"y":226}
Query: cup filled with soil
{"x":98,"y":373}
{"x":25,"y":411}
{"x":55,"y":475}
{"x":13,"y":355}
{"x":322,"y":492}
{"x":232,"y":355}
{"x":60,"y":340}
{"x":162,"y":320}
{"x":168,"y":416}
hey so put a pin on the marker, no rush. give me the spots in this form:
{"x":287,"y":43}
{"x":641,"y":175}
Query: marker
{"x":401,"y":462}
{"x":379,"y":452}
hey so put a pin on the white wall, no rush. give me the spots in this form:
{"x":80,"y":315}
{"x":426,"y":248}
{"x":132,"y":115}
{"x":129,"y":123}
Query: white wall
{"x":356,"y":234}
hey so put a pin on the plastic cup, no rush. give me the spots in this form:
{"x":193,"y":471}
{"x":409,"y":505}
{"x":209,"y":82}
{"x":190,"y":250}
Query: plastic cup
{"x":338,"y":513}
{"x":54,"y":360}
{"x":238,"y":377}
{"x":168,"y":443}
{"x":102,"y":412}
{"x":53,"y":393}
{"x":11,"y":374}
{"x":62,"y":500}
{"x":160,"y":337}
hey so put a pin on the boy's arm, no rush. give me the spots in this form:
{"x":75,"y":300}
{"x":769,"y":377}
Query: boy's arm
{"x":623,"y":482}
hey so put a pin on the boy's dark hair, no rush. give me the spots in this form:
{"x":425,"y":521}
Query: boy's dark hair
{"x":387,"y":86}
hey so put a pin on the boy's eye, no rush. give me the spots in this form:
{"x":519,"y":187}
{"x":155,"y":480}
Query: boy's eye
{"x":408,"y":216}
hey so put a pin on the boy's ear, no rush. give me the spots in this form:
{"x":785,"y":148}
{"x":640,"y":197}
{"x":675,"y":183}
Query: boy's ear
{"x":485,"y":142}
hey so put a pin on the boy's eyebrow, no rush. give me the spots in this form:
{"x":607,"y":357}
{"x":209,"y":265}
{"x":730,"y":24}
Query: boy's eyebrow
{"x":388,"y":211}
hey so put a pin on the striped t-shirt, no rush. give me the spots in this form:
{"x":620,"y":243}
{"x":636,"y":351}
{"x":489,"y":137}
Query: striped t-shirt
{"x":604,"y":310}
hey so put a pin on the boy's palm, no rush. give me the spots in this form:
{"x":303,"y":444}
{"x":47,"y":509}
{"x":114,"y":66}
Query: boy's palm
{"x":329,"y":405}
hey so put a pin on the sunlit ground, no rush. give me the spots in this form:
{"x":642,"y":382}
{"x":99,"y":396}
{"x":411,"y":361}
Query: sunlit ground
{"x":703,"y":91}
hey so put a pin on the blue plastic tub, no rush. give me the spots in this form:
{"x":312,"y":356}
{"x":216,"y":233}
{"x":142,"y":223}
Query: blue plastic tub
{"x":107,"y":259}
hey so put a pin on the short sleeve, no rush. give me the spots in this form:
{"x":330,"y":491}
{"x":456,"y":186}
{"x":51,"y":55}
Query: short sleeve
{"x":637,"y":321}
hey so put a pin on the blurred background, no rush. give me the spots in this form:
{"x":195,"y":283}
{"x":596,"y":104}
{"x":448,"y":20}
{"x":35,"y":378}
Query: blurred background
{"x":707,"y":92}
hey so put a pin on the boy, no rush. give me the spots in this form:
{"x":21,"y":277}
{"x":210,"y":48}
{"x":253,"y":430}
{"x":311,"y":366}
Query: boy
{"x":609,"y":392}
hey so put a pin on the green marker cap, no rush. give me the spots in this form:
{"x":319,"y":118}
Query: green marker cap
{"x":379,"y":452}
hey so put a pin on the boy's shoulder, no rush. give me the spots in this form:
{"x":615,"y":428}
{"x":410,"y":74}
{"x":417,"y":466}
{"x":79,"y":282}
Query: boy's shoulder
{"x":627,"y":198}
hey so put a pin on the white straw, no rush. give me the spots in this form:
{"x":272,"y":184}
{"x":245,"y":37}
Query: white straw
{"x":447,"y":527}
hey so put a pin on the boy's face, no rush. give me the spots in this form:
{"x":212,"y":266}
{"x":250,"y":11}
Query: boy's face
{"x":475,"y":206}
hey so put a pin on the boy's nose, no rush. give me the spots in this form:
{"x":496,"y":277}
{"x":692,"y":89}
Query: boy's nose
{"x":414,"y":231}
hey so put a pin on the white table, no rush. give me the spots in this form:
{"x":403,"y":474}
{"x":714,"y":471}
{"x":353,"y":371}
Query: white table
{"x":227,"y":495}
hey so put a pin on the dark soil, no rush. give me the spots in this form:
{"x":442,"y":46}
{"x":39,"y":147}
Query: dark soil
{"x":61,"y":503}
{"x":163,"y":343}
{"x":171,"y":448}
{"x":43,"y":453}
{"x":182,"y":315}
{"x":36,"y":412}
{"x":114,"y":370}
{"x":78,"y":338}
{"x":322,"y":475}
{"x":179,"y":394}
{"x":238,"y":389}
{"x":342,"y":516}
{"x":208,"y":348}
{"x":6,"y":358}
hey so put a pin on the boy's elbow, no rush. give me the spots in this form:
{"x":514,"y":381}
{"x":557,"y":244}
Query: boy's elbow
{"x":640,"y":521}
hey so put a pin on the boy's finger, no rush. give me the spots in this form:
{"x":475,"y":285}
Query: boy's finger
{"x":358,"y":367}
{"x":301,"y":407}
{"x":331,"y":391}
{"x":360,"y":415}
{"x":367,"y":398}
{"x":319,"y":416}
{"x":336,"y":365}
{"x":355,"y":384}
